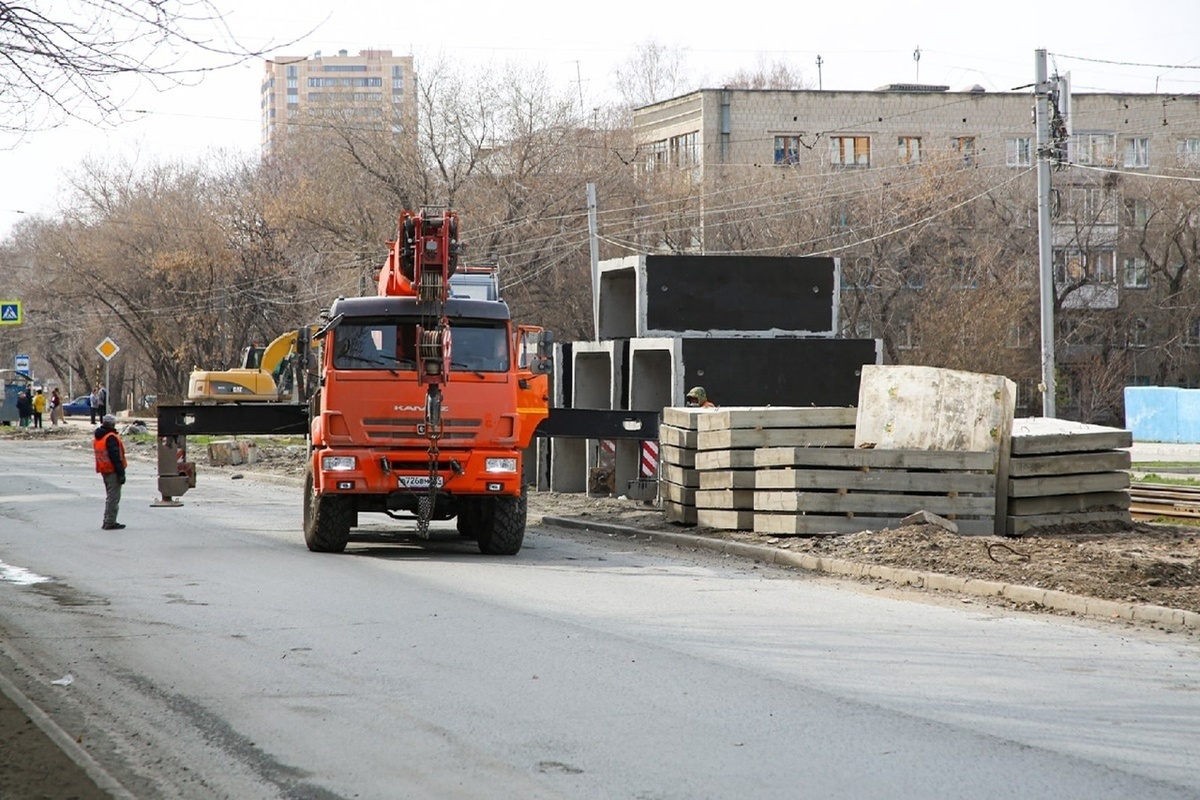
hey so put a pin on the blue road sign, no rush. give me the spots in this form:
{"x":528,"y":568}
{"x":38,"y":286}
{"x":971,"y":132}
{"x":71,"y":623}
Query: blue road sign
{"x":10,"y":312}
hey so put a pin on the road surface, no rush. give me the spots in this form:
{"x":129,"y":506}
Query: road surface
{"x":211,"y":655}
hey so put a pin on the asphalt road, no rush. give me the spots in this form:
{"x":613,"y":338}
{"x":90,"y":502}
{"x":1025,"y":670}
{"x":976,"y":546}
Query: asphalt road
{"x":211,"y":655}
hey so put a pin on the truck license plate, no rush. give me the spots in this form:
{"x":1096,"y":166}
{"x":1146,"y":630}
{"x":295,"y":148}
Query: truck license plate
{"x":418,"y":481}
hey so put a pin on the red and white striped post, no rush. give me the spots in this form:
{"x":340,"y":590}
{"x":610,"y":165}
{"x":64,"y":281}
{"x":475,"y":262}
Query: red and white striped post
{"x":608,"y":454}
{"x":649,"y":459}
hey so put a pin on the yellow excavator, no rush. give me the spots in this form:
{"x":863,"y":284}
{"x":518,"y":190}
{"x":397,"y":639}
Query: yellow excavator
{"x":267,"y":374}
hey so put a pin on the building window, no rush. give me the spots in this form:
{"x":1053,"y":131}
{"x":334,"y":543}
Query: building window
{"x":1090,"y":266}
{"x":1137,"y":273}
{"x":912,"y":276}
{"x":1102,"y":266}
{"x":859,"y":273}
{"x":655,"y":156}
{"x":293,"y":72}
{"x":787,"y":150}
{"x":964,"y":272}
{"x":1192,"y":337}
{"x":1093,"y":206}
{"x":908,"y":337}
{"x":1189,"y":152}
{"x":1139,"y":333}
{"x":1095,"y":148}
{"x":397,"y":73}
{"x":1139,"y":212}
{"x":1018,"y":152}
{"x":965,"y":147}
{"x":1019,"y":337}
{"x":850,"y":151}
{"x":1137,"y":153}
{"x":908,"y":149}
{"x":684,"y":149}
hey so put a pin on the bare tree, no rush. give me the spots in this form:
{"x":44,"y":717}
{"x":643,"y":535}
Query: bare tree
{"x":61,"y":60}
{"x":654,"y":72}
{"x":768,"y":75}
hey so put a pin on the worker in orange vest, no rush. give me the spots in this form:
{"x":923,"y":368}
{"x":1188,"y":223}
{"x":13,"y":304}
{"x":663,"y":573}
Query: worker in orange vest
{"x":110,"y":463}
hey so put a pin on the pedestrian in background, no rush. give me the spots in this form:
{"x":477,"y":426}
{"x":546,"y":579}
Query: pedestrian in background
{"x":39,"y":408}
{"x":110,"y":463}
{"x":56,"y":412}
{"x":94,"y":403}
{"x":102,"y":398}
{"x":24,"y":408}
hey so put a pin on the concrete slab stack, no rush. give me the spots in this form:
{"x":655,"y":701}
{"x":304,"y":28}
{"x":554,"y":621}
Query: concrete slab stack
{"x":1062,"y":472}
{"x":723,"y":455}
{"x":801,"y":491}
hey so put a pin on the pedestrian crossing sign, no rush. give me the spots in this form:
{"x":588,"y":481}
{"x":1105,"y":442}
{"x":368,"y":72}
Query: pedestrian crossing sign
{"x":10,"y":312}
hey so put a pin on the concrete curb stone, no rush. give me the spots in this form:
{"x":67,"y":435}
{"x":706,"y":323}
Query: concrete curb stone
{"x":1046,"y":598}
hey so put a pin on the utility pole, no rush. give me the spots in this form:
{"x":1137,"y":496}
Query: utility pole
{"x":820,"y":86}
{"x":594,"y":252}
{"x":1045,"y":152}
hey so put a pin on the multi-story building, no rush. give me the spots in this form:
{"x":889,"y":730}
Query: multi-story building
{"x":1126,"y":229}
{"x":373,"y":90}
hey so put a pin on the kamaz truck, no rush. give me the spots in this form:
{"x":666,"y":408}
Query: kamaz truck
{"x":426,"y":399}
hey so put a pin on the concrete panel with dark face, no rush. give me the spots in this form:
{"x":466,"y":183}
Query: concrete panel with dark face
{"x":690,"y":294}
{"x":782,"y":372}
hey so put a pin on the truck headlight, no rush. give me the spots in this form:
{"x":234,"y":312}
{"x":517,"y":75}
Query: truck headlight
{"x":501,"y":465}
{"x":337,"y":463}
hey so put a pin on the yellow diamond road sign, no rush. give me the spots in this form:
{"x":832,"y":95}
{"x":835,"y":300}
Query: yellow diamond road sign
{"x":108,"y":348}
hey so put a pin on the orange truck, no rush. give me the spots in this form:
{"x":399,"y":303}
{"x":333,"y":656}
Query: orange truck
{"x":426,"y":396}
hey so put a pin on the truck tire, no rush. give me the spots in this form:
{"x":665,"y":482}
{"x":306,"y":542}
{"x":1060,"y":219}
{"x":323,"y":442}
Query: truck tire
{"x":327,"y":520}
{"x":504,"y":533}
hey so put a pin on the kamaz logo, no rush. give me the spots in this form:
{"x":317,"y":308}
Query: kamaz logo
{"x":417,"y":408}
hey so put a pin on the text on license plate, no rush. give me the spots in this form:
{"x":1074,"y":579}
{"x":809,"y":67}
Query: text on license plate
{"x":418,"y":481}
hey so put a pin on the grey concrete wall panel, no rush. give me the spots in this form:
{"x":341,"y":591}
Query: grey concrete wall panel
{"x":718,"y":296}
{"x":698,"y":295}
{"x":618,"y":301}
{"x":782,"y":372}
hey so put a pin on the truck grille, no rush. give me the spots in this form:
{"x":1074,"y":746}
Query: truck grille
{"x":404,"y":431}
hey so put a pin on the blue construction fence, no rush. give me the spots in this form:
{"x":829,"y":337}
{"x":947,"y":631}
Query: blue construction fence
{"x":1163,"y":414}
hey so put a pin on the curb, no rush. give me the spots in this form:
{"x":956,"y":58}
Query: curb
{"x":71,"y":748}
{"x":1045,"y":598}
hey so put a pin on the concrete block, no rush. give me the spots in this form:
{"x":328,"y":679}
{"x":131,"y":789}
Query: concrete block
{"x":725,"y":295}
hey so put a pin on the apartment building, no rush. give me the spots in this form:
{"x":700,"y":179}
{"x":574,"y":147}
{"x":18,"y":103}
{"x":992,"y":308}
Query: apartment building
{"x":1114,"y":203}
{"x":373,"y":90}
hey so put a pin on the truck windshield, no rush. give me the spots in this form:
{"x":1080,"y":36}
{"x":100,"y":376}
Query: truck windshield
{"x":367,"y":346}
{"x":482,"y":349}
{"x":392,"y":345}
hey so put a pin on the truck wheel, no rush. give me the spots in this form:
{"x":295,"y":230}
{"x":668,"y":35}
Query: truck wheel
{"x":327,"y":520}
{"x":503,"y":534}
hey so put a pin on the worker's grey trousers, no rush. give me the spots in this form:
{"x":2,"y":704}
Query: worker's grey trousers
{"x":112,"y":497}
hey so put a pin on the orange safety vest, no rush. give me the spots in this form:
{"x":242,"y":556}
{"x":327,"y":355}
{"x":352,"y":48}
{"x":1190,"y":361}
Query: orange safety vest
{"x":104,"y":464}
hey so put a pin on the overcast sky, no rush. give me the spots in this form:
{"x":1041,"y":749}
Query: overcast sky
{"x":1106,"y":46}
